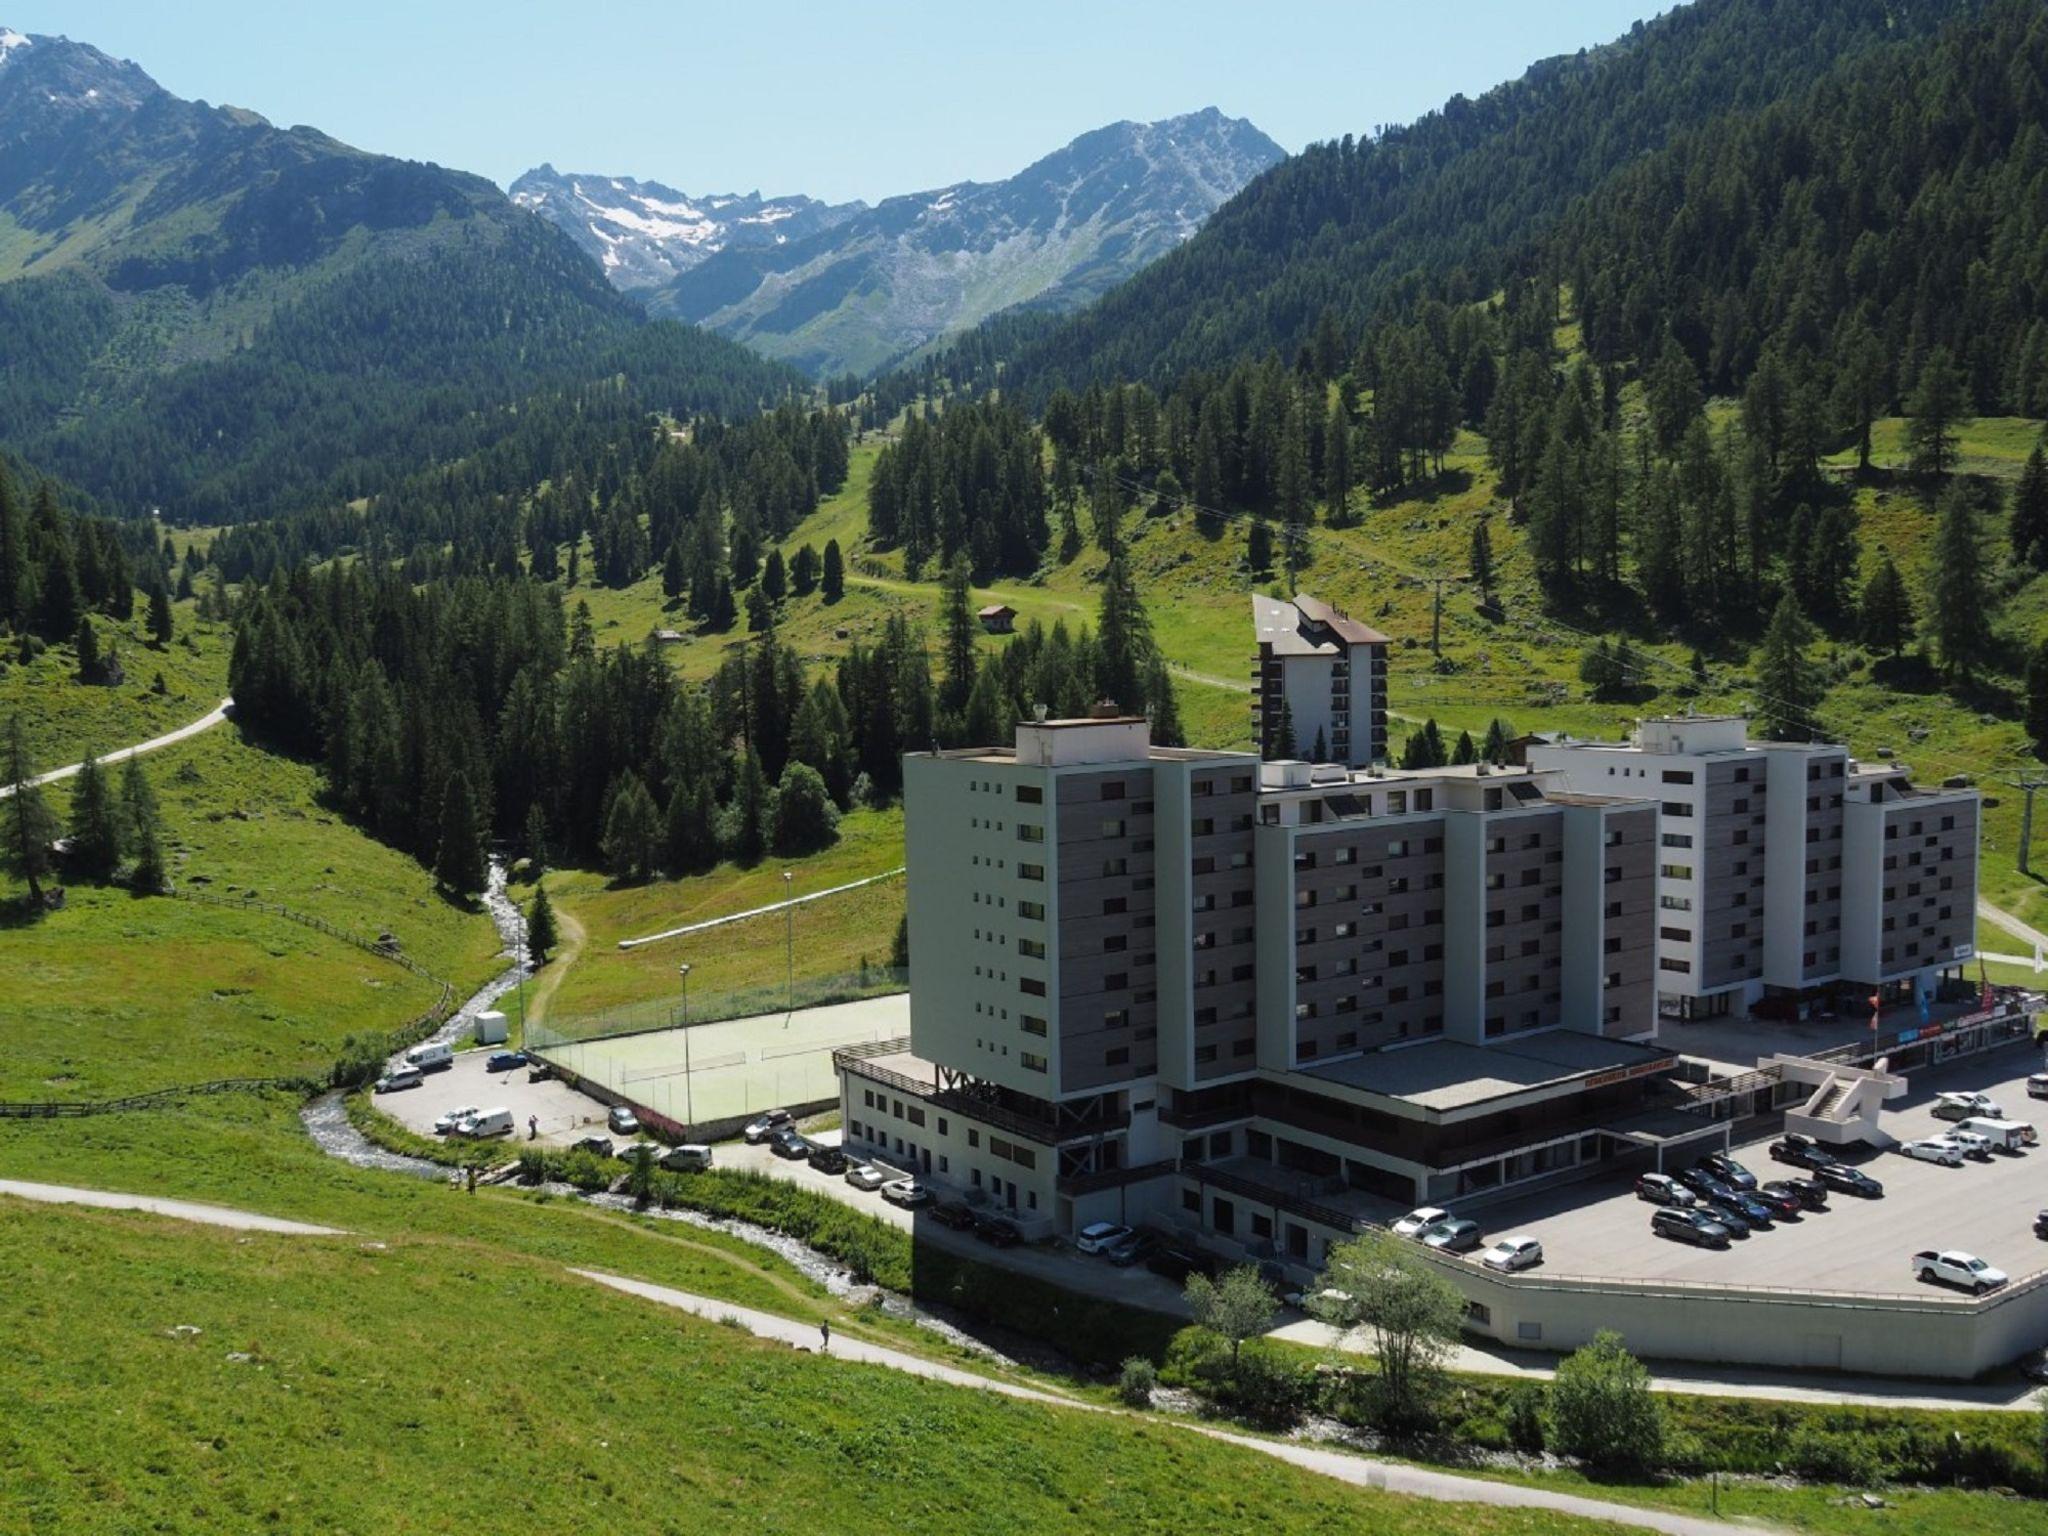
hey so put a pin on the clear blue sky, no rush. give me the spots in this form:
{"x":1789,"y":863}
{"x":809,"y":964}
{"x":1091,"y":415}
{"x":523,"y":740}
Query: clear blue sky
{"x":839,"y":101}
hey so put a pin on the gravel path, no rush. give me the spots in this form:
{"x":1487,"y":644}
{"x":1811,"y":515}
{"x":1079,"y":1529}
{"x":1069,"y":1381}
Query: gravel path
{"x":182,"y":1210}
{"x":204,"y":723}
{"x":1392,"y":1477}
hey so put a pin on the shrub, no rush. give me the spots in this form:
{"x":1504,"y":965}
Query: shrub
{"x":1525,"y":1418}
{"x":1603,"y":1410}
{"x":1823,"y":1455}
{"x":1137,"y":1381}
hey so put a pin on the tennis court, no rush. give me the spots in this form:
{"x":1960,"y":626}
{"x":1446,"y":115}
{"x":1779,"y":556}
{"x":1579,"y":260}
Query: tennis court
{"x":714,"y":1072}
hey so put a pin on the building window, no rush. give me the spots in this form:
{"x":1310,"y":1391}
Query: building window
{"x":1030,"y":1062}
{"x":1030,"y":794}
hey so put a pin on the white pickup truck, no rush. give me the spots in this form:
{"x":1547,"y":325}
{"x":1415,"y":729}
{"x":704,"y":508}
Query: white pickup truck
{"x":1955,"y":1267}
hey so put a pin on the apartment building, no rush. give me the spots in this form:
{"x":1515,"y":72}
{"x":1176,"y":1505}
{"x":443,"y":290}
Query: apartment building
{"x":1767,"y":858}
{"x":1321,"y":676}
{"x":1162,"y":983}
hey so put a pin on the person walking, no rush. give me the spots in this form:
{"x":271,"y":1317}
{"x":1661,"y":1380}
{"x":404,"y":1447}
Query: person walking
{"x":825,"y":1333}
{"x":533,"y":1127}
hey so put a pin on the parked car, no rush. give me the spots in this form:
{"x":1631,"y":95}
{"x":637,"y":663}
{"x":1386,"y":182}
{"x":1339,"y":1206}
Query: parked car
{"x":2037,"y":1086}
{"x":1099,"y":1235}
{"x":1782,"y":1204}
{"x":1934,"y":1149}
{"x":1454,"y":1236}
{"x":596,"y":1146}
{"x":1728,"y":1171}
{"x":1663,"y":1189}
{"x":1961,"y":1106}
{"x":1729,"y":1214}
{"x":1810,"y":1193}
{"x":1973,"y":1143}
{"x":1134,"y":1249}
{"x":1757,"y":1212}
{"x":957,"y":1214}
{"x":444,"y":1124}
{"x":399,"y":1078}
{"x":434,"y":1056}
{"x":1695,"y":1227}
{"x":997,"y":1231}
{"x":788,"y":1143}
{"x":1954,"y":1267}
{"x":828,"y":1159}
{"x":1416,"y":1221}
{"x":638,"y":1151}
{"x":908,"y":1193}
{"x":539,"y":1072}
{"x":2041,"y":1224}
{"x":1176,"y":1264}
{"x":623,"y":1121}
{"x":761,"y":1127}
{"x":690,"y":1157}
{"x":1801,"y":1151}
{"x":1512,"y":1253}
{"x":1708,"y":1186}
{"x":1849,"y":1181}
{"x":505,"y":1061}
{"x":866,"y":1176}
{"x":487,"y":1122}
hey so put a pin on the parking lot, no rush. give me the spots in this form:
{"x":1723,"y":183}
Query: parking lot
{"x":563,"y":1113}
{"x":1601,"y":1229}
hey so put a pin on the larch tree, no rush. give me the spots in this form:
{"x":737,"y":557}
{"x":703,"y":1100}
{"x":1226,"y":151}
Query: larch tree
{"x":2028,"y":525}
{"x":1959,"y":607}
{"x":1886,"y":612}
{"x":95,"y":824}
{"x":30,"y":828}
{"x":142,"y":828}
{"x":832,"y":579}
{"x":541,"y":937}
{"x":1789,"y":684}
{"x":459,"y":864}
{"x":1939,"y":402}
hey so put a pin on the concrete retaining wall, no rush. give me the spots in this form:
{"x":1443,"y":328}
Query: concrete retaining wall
{"x":1951,"y":1337}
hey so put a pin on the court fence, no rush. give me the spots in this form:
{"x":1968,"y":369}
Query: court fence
{"x":718,"y":1008}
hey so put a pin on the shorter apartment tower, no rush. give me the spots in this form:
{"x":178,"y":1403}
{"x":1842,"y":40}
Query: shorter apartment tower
{"x":1761,"y":846}
{"x":1321,"y":675}
{"x":1154,"y":983}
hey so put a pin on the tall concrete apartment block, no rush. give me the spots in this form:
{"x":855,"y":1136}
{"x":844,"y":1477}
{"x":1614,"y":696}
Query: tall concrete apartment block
{"x":1780,"y":870}
{"x":1325,"y":675}
{"x":1147,"y":981}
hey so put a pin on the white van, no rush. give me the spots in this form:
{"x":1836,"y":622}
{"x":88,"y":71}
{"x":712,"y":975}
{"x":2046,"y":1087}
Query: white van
{"x":431,"y":1057}
{"x":2002,"y":1135}
{"x":1962,"y":1106}
{"x":690,"y":1156}
{"x":487,"y":1122}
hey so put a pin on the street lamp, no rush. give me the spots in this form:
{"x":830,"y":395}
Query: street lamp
{"x":789,"y":946}
{"x":689,"y":1087}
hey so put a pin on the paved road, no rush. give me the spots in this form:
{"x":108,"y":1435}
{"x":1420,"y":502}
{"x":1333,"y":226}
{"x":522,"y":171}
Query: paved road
{"x":1343,"y":1466}
{"x":206,"y":722}
{"x":182,"y":1210}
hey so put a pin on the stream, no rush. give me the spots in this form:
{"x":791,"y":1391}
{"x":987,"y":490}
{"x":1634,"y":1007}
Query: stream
{"x":326,"y":1121}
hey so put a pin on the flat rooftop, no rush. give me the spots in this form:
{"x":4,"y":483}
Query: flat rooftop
{"x":1450,"y":1075}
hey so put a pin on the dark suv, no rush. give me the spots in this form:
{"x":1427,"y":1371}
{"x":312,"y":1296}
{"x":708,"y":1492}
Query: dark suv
{"x":1728,"y":1171}
{"x":1801,"y":1152}
{"x":1695,"y":1227}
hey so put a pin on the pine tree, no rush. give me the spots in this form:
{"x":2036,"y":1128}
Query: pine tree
{"x":2029,"y":522}
{"x":832,"y":583}
{"x":1425,"y":748}
{"x":1886,"y":612}
{"x":141,"y":829}
{"x":1123,"y":639}
{"x":1466,"y":751}
{"x":30,"y":828}
{"x":632,"y":829}
{"x":1167,"y":730}
{"x":1789,"y":685}
{"x":1495,"y":748}
{"x":1960,"y":605}
{"x":957,"y":629}
{"x":1319,"y":750}
{"x":1482,"y":559}
{"x":540,"y":926}
{"x":91,"y":666}
{"x":691,"y":833}
{"x":159,"y":616}
{"x":459,"y":863}
{"x":675,"y":578}
{"x":1337,"y":464}
{"x":536,"y":838}
{"x":14,"y":556}
{"x":747,"y":838}
{"x":1285,"y":749}
{"x":803,"y":571}
{"x":95,"y":824}
{"x":1940,"y":400}
{"x":775,"y":577}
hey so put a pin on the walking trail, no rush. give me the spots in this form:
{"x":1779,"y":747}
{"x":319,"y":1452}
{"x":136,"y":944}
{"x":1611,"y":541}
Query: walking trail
{"x":1389,"y":1477}
{"x":1998,"y":917}
{"x":181,"y":1210}
{"x":184,"y":732}
{"x":1343,"y":1466}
